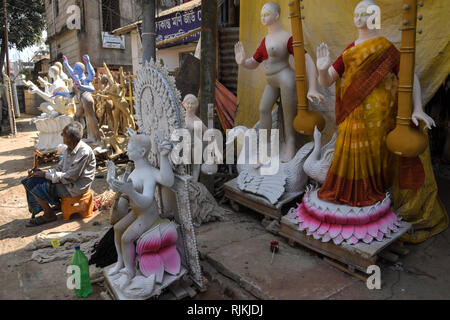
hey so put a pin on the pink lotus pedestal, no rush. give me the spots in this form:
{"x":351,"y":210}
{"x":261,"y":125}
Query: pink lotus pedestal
{"x":327,"y":221}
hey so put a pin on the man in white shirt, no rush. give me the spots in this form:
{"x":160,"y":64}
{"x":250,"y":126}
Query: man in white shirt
{"x":72,"y":177}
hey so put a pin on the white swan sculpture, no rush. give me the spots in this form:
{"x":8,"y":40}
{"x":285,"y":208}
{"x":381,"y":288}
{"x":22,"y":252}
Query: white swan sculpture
{"x":319,"y":161}
{"x":290,"y":176}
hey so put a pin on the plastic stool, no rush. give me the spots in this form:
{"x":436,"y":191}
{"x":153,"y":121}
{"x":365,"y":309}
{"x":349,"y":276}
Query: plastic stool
{"x":83,"y":204}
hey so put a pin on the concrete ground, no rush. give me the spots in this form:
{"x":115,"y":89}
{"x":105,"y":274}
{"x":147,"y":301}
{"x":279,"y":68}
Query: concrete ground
{"x":235,"y":254}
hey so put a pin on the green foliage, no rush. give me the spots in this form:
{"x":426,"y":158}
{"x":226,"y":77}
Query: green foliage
{"x":26,"y":20}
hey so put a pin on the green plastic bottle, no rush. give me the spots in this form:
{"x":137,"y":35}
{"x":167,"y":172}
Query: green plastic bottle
{"x":80,"y":260}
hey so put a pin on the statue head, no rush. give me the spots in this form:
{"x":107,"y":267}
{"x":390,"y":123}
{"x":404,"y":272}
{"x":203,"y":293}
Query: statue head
{"x":190,"y":103}
{"x":104,"y":80}
{"x":53,"y":72}
{"x":360,"y":15}
{"x":138,"y":147}
{"x":79,"y":69}
{"x":59,"y":65}
{"x":270,"y":13}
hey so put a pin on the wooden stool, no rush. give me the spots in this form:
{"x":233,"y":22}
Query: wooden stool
{"x":83,"y":204}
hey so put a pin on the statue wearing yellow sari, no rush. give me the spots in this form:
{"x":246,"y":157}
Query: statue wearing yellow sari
{"x":353,"y":203}
{"x":366,"y":107}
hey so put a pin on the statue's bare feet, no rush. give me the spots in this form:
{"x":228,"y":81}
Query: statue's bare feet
{"x":116,"y":269}
{"x":126,"y":280}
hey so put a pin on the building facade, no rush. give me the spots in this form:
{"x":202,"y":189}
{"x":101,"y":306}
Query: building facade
{"x":78,"y":27}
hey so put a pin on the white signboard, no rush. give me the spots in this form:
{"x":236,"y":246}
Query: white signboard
{"x":113,"y":42}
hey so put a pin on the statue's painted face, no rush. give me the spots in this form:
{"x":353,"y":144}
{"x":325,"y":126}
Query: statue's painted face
{"x":268,"y":15}
{"x":78,"y":71}
{"x":360,"y":15}
{"x":190,"y":103}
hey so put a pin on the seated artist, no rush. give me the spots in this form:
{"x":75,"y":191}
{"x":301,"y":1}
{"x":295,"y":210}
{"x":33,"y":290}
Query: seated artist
{"x":72,"y":177}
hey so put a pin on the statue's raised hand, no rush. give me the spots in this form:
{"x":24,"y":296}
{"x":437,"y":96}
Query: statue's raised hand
{"x":165,"y":147}
{"x":86,"y":58}
{"x":122,"y":186}
{"x":323,"y":57}
{"x":64,"y":58}
{"x":239,"y":53}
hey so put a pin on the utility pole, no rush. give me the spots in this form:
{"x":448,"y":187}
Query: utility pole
{"x":148,"y":31}
{"x":7,"y":81}
{"x":208,"y":57}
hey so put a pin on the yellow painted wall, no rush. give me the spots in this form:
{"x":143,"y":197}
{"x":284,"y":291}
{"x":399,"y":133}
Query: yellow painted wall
{"x":331,"y":21}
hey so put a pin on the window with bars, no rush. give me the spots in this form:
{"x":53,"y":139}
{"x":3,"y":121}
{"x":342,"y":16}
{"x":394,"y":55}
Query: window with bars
{"x":110,"y":15}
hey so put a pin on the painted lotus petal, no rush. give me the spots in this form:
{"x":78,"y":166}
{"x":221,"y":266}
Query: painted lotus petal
{"x":368,"y":238}
{"x":364,"y":219}
{"x":171,"y":259}
{"x":316,"y":235}
{"x":324,"y":227}
{"x":330,"y":218}
{"x":301,"y":214}
{"x":380,"y":236}
{"x":335,"y":230}
{"x":383,"y":224}
{"x":169,"y":234}
{"x":372,"y":229}
{"x":352,"y":219}
{"x":313,"y":224}
{"x":338,"y":240}
{"x":393,"y":228}
{"x":341,"y":219}
{"x":388,"y":234}
{"x":301,"y":226}
{"x":352,"y":240}
{"x":360,"y":232}
{"x":326,"y":237}
{"x":150,"y":241}
{"x":391,"y":218}
{"x":347,"y":231}
{"x":318,"y":214}
{"x":308,"y":220}
{"x":151,"y":263}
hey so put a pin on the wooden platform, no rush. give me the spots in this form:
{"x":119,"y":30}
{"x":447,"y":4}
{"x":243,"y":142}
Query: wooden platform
{"x":176,"y":288}
{"x":260,"y":204}
{"x":353,"y":257}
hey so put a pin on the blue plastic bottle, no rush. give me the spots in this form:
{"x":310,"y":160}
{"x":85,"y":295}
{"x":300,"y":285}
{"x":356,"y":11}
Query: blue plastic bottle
{"x":80,"y":260}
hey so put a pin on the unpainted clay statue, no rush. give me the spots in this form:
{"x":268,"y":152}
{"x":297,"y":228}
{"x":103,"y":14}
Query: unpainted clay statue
{"x":83,"y":88}
{"x":275,"y":49}
{"x":57,"y":111}
{"x":54,"y":105}
{"x":104,"y":105}
{"x":137,"y":192}
{"x":190,"y":104}
{"x":121,"y":110}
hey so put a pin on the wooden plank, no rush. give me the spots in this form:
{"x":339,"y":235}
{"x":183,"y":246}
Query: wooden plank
{"x":368,"y":250}
{"x":328,"y":249}
{"x":346,"y":270}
